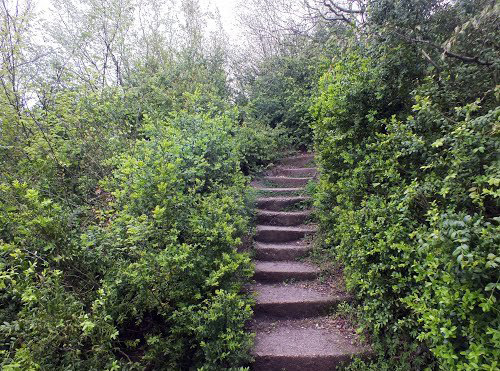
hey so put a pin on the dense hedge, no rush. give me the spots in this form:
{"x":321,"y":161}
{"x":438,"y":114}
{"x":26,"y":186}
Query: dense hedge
{"x":280,"y":93}
{"x":152,"y":279}
{"x":409,"y":201}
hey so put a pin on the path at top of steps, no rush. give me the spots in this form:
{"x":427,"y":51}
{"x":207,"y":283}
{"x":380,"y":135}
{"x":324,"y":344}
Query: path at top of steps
{"x":292,"y":330}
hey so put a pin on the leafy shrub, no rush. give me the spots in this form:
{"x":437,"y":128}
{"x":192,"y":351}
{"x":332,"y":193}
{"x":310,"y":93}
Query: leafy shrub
{"x":280,"y":94}
{"x":457,"y":274}
{"x":154,"y":281}
{"x":259,"y":145}
{"x":65,"y":145}
{"x":408,"y":200}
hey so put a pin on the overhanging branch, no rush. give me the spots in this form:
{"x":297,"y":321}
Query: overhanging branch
{"x":445,"y":51}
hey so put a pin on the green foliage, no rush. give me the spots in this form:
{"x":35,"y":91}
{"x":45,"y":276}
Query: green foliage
{"x":280,"y":95}
{"x":122,"y":196}
{"x":408,"y":201}
{"x":63,"y":146}
{"x":121,"y":207}
{"x":154,"y":281}
{"x":259,"y":145}
{"x":457,"y":274}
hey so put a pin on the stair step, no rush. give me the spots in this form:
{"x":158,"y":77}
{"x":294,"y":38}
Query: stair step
{"x":298,"y":345}
{"x":283,"y":181}
{"x":279,"y":190}
{"x":300,"y":160}
{"x":271,"y":233}
{"x":298,"y":172}
{"x":281,"y":251}
{"x":279,"y":203}
{"x":266,"y":271}
{"x":293,"y":300}
{"x":282,"y":218}
{"x":290,"y":334}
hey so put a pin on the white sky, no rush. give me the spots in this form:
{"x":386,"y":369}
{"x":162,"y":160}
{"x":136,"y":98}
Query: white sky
{"x":227,"y":10}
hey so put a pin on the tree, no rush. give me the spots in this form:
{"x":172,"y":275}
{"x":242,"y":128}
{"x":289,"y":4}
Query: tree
{"x":91,"y":38}
{"x":352,"y":12}
{"x":17,"y":52}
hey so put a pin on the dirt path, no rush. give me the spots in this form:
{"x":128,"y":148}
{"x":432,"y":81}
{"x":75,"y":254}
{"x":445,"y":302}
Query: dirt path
{"x":293,"y":331}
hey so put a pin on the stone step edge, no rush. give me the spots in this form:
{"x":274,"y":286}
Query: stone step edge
{"x":280,"y":251}
{"x":284,"y":199}
{"x":267,"y":189}
{"x":278,"y":212}
{"x":283,"y":218}
{"x":284,"y":177}
{"x":306,"y":228}
{"x":300,"y":308}
{"x":276,"y":233}
{"x":275,"y":276}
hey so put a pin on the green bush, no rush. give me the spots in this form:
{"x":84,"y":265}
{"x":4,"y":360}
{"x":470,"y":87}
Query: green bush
{"x":457,"y":278}
{"x":260,"y":145}
{"x":408,"y":200}
{"x":153,"y":281}
{"x":65,"y":145}
{"x":281,"y":94}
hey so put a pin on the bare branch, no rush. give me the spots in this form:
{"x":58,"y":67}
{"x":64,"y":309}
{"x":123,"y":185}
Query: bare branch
{"x":445,"y":52}
{"x":331,"y":4}
{"x":431,"y":61}
{"x":331,"y":11}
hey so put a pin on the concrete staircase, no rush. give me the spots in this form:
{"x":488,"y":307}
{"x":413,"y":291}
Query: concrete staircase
{"x":293,"y":331}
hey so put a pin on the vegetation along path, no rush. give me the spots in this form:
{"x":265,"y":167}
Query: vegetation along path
{"x":292,"y":329}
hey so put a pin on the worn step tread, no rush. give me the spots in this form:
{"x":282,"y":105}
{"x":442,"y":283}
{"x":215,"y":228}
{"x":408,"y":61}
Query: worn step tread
{"x":286,"y":266}
{"x":296,"y":171}
{"x":293,"y":300}
{"x":281,"y":251}
{"x":287,"y":177}
{"x":303,"y":228}
{"x":291,"y":179}
{"x":278,"y":271}
{"x":283,"y":199}
{"x":280,"y":202}
{"x":299,"y":160}
{"x":300,"y":168}
{"x":303,"y":345}
{"x":282,"y":218}
{"x":278,"y":190}
{"x":287,"y":181}
{"x":288,"y":293}
{"x":277,"y":233}
{"x":278,"y":213}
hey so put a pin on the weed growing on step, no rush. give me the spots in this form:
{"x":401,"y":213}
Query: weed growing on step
{"x":299,"y":206}
{"x":311,"y":187}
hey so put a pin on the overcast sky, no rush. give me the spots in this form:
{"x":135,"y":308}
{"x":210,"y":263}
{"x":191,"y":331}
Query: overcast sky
{"x":228,"y":12}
